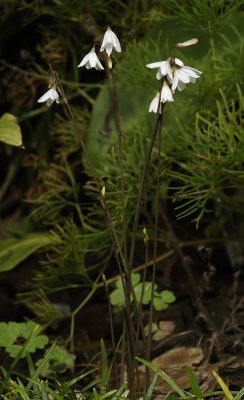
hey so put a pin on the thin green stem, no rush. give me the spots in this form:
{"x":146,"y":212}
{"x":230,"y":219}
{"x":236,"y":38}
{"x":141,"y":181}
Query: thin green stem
{"x":141,"y":188}
{"x":120,"y":154}
{"x":155,"y":249}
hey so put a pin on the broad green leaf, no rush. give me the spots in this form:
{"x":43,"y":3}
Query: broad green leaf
{"x":10,"y":132}
{"x":37,"y":342}
{"x":167,"y":296}
{"x":13,"y":251}
{"x":147,"y":292}
{"x":159,"y":304}
{"x":117,"y":297}
{"x":12,"y":332}
{"x":135,"y":278}
{"x":8,"y":333}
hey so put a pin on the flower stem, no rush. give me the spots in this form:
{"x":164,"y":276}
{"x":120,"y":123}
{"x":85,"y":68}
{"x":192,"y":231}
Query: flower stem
{"x":141,"y":188}
{"x":155,"y":248}
{"x":120,"y":154}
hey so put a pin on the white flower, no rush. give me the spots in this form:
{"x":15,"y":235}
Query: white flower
{"x":166,"y":94}
{"x":110,"y":40}
{"x":49,"y":97}
{"x":183,"y":75}
{"x":155,"y":106}
{"x":164,"y":68}
{"x":91,"y":61}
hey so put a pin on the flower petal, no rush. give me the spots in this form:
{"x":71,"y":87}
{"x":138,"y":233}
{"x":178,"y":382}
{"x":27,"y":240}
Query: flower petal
{"x":84,"y":60}
{"x":116,"y":43}
{"x":178,"y":62}
{"x":49,"y":102}
{"x":155,"y":64}
{"x":159,"y":74}
{"x":44,"y":98}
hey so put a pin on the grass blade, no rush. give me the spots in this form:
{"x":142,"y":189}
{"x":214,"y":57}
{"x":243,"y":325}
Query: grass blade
{"x":151,"y":387}
{"x":165,"y":377}
{"x":194,"y":384}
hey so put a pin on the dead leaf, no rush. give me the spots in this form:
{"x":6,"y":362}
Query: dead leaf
{"x":160,"y":331}
{"x":179,"y":356}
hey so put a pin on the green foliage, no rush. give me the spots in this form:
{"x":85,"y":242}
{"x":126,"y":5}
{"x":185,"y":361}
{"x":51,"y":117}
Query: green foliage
{"x":12,"y":332}
{"x":10,"y":132}
{"x":59,"y":362}
{"x":143,"y":292}
{"x":201,"y":163}
{"x":212,"y":162}
{"x":13,"y":251}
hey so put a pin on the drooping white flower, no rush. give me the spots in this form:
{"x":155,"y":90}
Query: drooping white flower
{"x":166,"y":94}
{"x":109,"y":42}
{"x":183,"y":74}
{"x":91,"y":61}
{"x":155,"y":105}
{"x":50,"y":96}
{"x":164,"y":68}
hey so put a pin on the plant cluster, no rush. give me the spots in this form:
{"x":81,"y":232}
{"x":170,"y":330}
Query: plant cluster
{"x":101,"y":191}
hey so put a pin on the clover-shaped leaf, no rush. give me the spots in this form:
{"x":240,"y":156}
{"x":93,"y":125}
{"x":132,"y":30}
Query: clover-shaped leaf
{"x":167,"y":296}
{"x":162,"y":300}
{"x":14,"y":334}
{"x":117,"y":297}
{"x":159,"y":304}
{"x":147,"y":292}
{"x":61,"y":361}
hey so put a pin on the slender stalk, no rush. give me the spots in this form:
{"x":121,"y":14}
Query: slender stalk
{"x":111,"y":330}
{"x":122,"y":265}
{"x":108,"y":219}
{"x":139,"y":319}
{"x":141,"y":299}
{"x":141,"y":188}
{"x":120,"y":154}
{"x":155,"y":248}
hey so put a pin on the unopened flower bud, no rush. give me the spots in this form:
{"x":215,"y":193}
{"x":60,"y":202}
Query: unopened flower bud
{"x":103,"y":191}
{"x":110,"y":64}
{"x":187,"y":43}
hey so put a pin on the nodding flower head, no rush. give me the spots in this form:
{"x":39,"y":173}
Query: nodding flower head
{"x":50,"y":96}
{"x":91,"y":61}
{"x":183,"y":75}
{"x":109,"y":42}
{"x":166,"y":93}
{"x":156,"y":105}
{"x":174,"y":73}
{"x":164,"y":68}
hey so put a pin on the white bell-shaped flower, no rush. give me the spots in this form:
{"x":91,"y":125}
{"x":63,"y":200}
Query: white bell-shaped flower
{"x":155,"y":105}
{"x":109,"y":42}
{"x":183,"y":75}
{"x":164,"y":69}
{"x":91,"y":61}
{"x":166,"y":93}
{"x":50,"y":96}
